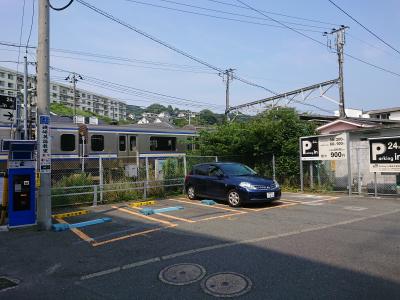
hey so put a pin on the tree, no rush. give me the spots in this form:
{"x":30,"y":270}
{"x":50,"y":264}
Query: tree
{"x":156,"y":108}
{"x":254,"y":142}
{"x":207,"y":117}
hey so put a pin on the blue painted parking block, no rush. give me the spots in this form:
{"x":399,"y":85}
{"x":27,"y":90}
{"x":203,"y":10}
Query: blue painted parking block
{"x":208,"y":202}
{"x":63,"y":227}
{"x":150,"y":211}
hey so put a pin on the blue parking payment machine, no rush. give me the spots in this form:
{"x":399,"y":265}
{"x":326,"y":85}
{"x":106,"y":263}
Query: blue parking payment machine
{"x":21,"y":182}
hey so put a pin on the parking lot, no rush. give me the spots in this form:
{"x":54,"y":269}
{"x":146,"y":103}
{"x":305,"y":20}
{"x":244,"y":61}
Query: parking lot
{"x":303,"y":246}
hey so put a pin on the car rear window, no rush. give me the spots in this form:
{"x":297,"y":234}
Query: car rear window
{"x":201,"y":170}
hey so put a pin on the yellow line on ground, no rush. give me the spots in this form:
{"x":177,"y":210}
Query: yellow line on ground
{"x":142,"y":216}
{"x":96,"y":244}
{"x":78,"y":232}
{"x":217,"y":206}
{"x":70,"y":214}
{"x":143,"y":203}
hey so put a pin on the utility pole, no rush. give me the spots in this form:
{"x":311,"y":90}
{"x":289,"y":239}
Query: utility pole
{"x":25,"y":98}
{"x":73,"y":79}
{"x":340,"y":41}
{"x":43,"y":109}
{"x":227,"y":76}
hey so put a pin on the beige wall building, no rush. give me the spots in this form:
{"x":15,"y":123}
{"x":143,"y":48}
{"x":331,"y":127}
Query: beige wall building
{"x":113,"y":108}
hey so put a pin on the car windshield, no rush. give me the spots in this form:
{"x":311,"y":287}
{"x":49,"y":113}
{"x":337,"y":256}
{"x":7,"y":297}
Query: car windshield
{"x":237,"y":170}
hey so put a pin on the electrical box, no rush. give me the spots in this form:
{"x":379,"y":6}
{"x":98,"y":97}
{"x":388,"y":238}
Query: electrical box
{"x":21,"y":169}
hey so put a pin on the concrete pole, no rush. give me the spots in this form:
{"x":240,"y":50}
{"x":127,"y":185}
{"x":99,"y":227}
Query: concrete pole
{"x":349,"y":174}
{"x":25,"y":98}
{"x":74,"y":96}
{"x":43,"y":108}
{"x":311,"y":175}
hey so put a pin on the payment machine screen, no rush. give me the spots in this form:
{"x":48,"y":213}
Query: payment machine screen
{"x":21,"y":192}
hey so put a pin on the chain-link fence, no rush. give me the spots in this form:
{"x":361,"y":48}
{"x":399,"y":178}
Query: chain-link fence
{"x":354,"y":172}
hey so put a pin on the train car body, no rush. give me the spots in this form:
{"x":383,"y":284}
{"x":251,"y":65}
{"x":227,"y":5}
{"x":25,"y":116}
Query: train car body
{"x":71,"y":143}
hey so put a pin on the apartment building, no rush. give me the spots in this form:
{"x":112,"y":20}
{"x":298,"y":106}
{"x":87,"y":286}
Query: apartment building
{"x":103,"y":105}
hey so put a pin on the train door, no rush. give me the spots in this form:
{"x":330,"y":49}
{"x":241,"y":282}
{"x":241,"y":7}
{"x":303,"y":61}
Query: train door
{"x":132,"y":149}
{"x":122,"y":145}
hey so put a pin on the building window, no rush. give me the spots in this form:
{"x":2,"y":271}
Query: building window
{"x":2,"y":83}
{"x":122,"y":143}
{"x":11,"y":85}
{"x":10,"y":76}
{"x":67,"y":142}
{"x":132,"y":143}
{"x":162,"y":143}
{"x":2,"y":75}
{"x":54,"y":95}
{"x":1,"y":91}
{"x":54,"y":88}
{"x":10,"y":93}
{"x":97,"y":142}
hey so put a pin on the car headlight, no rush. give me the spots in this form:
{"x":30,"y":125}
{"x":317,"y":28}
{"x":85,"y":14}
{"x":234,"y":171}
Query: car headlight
{"x":276,"y":184}
{"x":247,"y":185}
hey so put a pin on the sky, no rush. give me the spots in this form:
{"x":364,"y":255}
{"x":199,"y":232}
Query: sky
{"x":276,"y":58}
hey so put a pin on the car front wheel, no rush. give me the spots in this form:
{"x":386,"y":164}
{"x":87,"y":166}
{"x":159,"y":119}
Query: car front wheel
{"x":234,"y":199}
{"x":191,"y":193}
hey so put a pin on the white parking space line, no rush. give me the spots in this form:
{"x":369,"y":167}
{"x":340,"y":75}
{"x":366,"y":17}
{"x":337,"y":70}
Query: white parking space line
{"x":355,"y":208}
{"x":231,"y":244}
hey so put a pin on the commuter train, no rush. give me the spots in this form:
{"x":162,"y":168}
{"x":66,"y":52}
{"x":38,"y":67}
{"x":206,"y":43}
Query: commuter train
{"x":70,"y":142}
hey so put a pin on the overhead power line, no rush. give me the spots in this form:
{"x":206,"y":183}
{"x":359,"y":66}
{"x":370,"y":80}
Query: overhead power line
{"x":141,"y":32}
{"x":367,"y":29}
{"x":225,"y":12}
{"x":126,"y":87}
{"x":157,"y":40}
{"x":60,"y":8}
{"x":319,"y":42}
{"x":274,"y":13}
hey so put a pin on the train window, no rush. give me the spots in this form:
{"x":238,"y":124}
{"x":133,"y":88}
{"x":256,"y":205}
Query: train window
{"x":122,"y":143}
{"x":132,"y":143}
{"x":67,"y":142}
{"x":162,"y":143}
{"x":97,"y":142}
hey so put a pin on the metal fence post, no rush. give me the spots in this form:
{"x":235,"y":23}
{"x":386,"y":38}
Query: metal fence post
{"x":311,"y":175}
{"x":273,"y":167}
{"x":184,"y":165}
{"x":375,"y":185}
{"x":216,"y":159}
{"x":147,"y":177}
{"x":101,"y":178}
{"x":301,"y":168}
{"x":95,"y":195}
{"x":349,"y":175}
{"x":359,"y":183}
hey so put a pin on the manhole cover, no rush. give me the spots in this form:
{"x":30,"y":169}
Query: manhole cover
{"x":7,"y":283}
{"x":226,"y":284}
{"x":182,"y":274}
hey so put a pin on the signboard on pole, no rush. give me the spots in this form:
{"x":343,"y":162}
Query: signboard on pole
{"x":384,"y":154}
{"x":44,"y":144}
{"x":324,"y":147}
{"x":7,"y":109}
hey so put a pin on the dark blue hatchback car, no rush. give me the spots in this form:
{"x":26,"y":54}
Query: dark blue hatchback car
{"x":233,"y":182}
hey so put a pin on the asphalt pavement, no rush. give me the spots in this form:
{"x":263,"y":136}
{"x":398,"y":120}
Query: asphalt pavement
{"x":303,"y":247}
